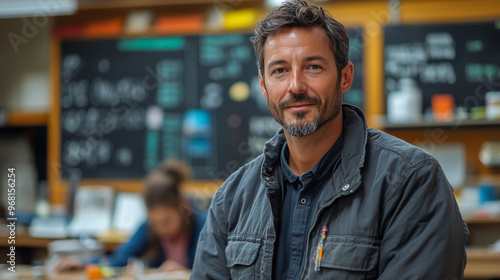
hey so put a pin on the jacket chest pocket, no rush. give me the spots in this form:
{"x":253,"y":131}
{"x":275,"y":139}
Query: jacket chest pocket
{"x":349,"y":260}
{"x":241,"y":256}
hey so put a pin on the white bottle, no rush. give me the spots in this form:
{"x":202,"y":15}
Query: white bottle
{"x":493,"y":105}
{"x":405,"y":105}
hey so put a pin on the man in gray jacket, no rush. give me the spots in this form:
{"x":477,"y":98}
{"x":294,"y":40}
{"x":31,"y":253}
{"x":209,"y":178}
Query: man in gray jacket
{"x":329,"y":198}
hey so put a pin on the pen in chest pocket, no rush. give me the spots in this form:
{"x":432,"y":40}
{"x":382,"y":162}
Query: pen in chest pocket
{"x":320,"y":249}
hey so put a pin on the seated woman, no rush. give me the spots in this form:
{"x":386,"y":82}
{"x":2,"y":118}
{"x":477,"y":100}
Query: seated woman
{"x":168,"y":239}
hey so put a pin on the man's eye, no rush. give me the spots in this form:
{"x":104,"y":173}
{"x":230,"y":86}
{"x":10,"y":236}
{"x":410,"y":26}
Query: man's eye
{"x":315,"y":67}
{"x":279,"y":71}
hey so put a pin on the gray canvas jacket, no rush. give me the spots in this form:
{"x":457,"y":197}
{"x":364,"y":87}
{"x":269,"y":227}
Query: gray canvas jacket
{"x":389,"y":208}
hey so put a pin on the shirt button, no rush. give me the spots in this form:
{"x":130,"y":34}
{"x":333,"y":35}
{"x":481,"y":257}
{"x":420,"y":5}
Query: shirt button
{"x":303,"y":201}
{"x":346,"y":187}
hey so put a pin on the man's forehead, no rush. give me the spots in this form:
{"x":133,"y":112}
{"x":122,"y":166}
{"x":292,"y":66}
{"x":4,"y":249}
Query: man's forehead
{"x":297,"y":33}
{"x":313,"y":39}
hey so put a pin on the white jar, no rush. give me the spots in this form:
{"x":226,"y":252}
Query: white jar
{"x":493,"y":105}
{"x":405,"y":105}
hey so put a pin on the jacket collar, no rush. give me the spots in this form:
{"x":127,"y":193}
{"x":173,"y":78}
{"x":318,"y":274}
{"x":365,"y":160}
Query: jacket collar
{"x":352,"y":154}
{"x":272,"y":153}
{"x":353,"y":151}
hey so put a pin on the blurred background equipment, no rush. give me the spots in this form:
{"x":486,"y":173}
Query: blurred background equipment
{"x":16,"y":151}
{"x":405,"y":104}
{"x":493,"y":105}
{"x":93,"y":210}
{"x":85,"y":249}
{"x":490,"y":153}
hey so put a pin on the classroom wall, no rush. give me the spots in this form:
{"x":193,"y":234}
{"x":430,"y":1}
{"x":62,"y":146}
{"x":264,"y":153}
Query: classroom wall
{"x":24,"y":71}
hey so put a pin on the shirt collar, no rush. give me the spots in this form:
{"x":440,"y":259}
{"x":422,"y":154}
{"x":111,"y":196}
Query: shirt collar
{"x":320,"y":169}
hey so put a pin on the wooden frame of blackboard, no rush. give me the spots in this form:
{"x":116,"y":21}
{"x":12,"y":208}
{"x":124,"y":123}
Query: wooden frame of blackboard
{"x":55,"y":184}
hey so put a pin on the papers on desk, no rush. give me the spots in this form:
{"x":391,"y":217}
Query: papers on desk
{"x":93,"y":210}
{"x":130,"y":212}
{"x":50,"y":227}
{"x":173,"y":275}
{"x":93,"y":213}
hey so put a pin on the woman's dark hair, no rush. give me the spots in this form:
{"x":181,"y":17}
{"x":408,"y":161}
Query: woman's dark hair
{"x":162,"y":188}
{"x":298,"y":13}
{"x":162,"y":185}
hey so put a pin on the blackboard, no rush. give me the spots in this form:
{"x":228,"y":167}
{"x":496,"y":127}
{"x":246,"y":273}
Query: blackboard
{"x":461,"y":59}
{"x":355,"y":95}
{"x":126,"y":104}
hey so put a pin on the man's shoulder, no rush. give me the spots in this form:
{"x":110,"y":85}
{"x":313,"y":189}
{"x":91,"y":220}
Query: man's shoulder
{"x":392,"y":148}
{"x":403,"y":165}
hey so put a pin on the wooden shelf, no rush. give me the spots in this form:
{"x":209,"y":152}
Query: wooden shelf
{"x":482,"y":263}
{"x":25,"y":240}
{"x":457,"y":124}
{"x":478,"y":253}
{"x":117,"y":4}
{"x":150,"y":33}
{"x":495,"y":220}
{"x":27,"y":118}
{"x":201,"y":188}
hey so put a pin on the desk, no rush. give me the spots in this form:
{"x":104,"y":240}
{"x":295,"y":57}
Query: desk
{"x":482,"y":263}
{"x":26,"y":240}
{"x":23,"y":272}
{"x":29,"y":249}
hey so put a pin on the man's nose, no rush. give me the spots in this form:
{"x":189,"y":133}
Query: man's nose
{"x":297,"y":83}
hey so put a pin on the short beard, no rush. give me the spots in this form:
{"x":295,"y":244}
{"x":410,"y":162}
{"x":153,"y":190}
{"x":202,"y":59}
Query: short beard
{"x":307,"y":128}
{"x":301,"y":130}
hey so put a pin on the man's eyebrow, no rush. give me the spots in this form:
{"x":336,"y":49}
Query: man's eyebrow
{"x":315,"y":57}
{"x":275,"y":62}
{"x":308,"y":59}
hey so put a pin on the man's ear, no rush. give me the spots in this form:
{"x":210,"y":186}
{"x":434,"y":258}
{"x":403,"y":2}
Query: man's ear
{"x":263,"y":86}
{"x":346,"y":77}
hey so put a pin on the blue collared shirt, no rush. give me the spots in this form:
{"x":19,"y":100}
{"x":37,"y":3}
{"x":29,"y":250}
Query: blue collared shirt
{"x":300,"y":201}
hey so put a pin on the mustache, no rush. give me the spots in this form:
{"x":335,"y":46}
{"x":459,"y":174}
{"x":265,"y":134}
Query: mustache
{"x":296,"y":98}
